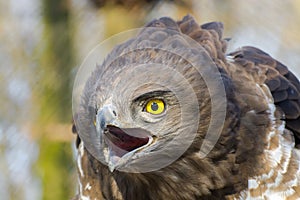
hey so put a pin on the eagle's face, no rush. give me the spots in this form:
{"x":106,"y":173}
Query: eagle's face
{"x":142,"y":124}
{"x":150,"y":101}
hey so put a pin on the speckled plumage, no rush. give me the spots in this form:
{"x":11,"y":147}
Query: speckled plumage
{"x":255,"y":156}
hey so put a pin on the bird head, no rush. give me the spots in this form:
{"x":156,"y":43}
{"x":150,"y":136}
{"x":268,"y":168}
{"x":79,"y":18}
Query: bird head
{"x":141,"y":122}
{"x":149,"y":101}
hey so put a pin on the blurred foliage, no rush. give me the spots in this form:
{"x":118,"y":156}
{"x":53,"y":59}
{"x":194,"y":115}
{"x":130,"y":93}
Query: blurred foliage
{"x":57,"y":60}
{"x":114,"y":24}
{"x":55,"y":162}
{"x":55,"y":166}
{"x":137,"y":4}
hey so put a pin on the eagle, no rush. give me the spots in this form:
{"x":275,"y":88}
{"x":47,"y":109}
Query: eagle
{"x":170,"y":114}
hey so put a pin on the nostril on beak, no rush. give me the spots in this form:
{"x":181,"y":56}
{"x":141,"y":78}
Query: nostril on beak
{"x":102,"y":123}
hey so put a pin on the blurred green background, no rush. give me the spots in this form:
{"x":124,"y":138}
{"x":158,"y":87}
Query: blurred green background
{"x":42,"y":44}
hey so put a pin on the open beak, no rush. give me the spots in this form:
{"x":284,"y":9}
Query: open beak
{"x":119,"y":143}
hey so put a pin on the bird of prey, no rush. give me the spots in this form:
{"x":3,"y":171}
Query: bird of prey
{"x":169,"y":114}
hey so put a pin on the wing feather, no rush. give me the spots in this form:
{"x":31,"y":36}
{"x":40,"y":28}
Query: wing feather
{"x":283,"y":84}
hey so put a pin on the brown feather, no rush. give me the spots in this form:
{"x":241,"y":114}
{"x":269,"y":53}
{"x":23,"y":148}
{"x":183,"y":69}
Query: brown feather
{"x":284,"y":86}
{"x":252,"y":130}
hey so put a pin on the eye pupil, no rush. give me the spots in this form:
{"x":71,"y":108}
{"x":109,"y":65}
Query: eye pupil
{"x":154,"y":106}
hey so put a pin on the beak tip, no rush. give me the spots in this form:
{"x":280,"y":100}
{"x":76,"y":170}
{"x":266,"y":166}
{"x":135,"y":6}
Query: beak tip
{"x":111,"y":167}
{"x":112,"y":162}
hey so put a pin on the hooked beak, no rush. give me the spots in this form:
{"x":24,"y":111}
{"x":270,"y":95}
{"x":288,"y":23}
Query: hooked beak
{"x":118,"y":143}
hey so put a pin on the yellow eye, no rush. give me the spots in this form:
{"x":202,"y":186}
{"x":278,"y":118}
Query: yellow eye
{"x":155,"y":106}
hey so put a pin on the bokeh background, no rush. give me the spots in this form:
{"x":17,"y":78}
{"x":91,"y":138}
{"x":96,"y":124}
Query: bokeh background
{"x":42,"y":44}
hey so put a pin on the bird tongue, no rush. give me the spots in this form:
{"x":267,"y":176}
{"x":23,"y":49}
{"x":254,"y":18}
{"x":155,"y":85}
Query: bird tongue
{"x":122,"y":141}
